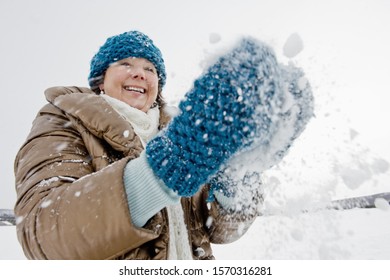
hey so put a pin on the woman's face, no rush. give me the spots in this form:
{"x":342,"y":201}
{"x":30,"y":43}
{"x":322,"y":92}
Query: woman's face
{"x":133,"y":81}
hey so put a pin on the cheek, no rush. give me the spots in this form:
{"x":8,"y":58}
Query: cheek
{"x":114,"y":77}
{"x":155,"y":92}
{"x":153,"y":84}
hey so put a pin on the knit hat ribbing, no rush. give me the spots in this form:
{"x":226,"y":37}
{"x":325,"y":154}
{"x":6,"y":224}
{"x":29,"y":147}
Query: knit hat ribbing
{"x":128,"y":44}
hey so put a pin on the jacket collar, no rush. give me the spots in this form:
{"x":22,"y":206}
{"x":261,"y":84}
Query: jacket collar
{"x":98,"y":116}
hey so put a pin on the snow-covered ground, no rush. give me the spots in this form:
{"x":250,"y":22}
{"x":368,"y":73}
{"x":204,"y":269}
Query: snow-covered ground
{"x":10,"y":248}
{"x":358,"y":234}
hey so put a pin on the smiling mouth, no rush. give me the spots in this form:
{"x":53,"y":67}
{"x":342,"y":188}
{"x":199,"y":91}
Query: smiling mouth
{"x":135,"y":89}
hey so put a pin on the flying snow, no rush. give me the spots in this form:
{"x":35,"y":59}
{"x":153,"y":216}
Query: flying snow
{"x":293,"y":45}
{"x":382,"y":204}
{"x":214,"y":38}
{"x":46,"y":203}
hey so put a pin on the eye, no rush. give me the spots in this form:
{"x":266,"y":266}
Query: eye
{"x":126,"y":64}
{"x":150,"y":69}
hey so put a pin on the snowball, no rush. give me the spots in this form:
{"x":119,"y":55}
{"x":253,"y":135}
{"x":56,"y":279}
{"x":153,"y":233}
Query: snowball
{"x":61,"y":147}
{"x":46,"y":203}
{"x":19,"y":219}
{"x":126,"y":133}
{"x":200,"y":252}
{"x":45,"y":183}
{"x":229,"y":118}
{"x":353,"y":133}
{"x":380,"y":166}
{"x":209,"y":222}
{"x":165,"y":162}
{"x":354,"y":177}
{"x":68,"y":124}
{"x":382,"y":204}
{"x":77,"y":194}
{"x":293,"y":45}
{"x":214,"y":38}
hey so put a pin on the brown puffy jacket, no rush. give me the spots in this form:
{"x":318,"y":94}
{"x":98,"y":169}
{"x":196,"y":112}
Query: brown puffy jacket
{"x":71,"y":201}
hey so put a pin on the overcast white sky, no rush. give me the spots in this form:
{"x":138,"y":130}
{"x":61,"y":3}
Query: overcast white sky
{"x":346,"y":56}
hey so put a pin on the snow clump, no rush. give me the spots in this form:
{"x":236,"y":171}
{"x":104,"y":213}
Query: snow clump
{"x":382,"y":204}
{"x":293,"y":45}
{"x":214,"y":38}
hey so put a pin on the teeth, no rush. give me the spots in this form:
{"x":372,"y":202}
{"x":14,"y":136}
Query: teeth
{"x":140,"y":90}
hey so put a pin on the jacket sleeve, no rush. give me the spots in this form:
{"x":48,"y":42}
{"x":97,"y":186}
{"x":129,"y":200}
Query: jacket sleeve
{"x":65,"y":209}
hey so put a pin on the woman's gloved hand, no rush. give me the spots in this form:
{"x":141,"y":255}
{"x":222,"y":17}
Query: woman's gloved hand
{"x":229,"y":109}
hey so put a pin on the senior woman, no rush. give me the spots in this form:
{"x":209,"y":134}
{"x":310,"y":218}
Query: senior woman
{"x":107,"y":173}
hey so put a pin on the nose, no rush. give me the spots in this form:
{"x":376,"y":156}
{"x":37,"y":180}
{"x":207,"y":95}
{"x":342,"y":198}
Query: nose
{"x":137,"y":73}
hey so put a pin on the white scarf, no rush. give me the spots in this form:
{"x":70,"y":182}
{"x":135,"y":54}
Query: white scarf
{"x":146,"y":127}
{"x":145,"y":124}
{"x":179,"y":245}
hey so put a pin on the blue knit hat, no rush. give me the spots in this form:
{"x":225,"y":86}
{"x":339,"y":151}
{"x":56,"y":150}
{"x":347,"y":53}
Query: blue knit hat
{"x":128,"y":44}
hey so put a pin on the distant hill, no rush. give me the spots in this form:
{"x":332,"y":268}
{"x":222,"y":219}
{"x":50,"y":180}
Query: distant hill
{"x":7,"y":217}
